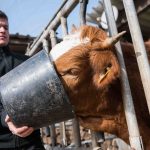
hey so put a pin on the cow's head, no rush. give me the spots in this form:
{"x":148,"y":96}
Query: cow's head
{"x":88,"y":67}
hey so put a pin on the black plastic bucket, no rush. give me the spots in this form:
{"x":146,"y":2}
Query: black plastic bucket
{"x":33,"y":95}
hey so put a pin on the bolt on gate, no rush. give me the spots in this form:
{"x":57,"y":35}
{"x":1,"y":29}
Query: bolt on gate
{"x":48,"y":39}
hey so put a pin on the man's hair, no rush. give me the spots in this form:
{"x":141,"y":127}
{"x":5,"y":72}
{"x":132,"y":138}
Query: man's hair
{"x":3,"y":15}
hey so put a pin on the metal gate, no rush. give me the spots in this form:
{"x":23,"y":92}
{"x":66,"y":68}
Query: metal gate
{"x":48,"y":39}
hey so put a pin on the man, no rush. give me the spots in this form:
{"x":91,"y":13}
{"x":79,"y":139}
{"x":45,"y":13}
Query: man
{"x":11,"y":137}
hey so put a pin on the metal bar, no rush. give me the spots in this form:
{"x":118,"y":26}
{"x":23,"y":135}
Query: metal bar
{"x":53,"y":135}
{"x":65,"y":11}
{"x":83,"y":6}
{"x":65,"y":1}
{"x":94,"y":139}
{"x":53,"y":38}
{"x":64,"y":26}
{"x":100,"y":136}
{"x":63,"y":128}
{"x":63,"y":134}
{"x":132,"y":124}
{"x":97,"y":138}
{"x":59,"y":9}
{"x":141,"y":6}
{"x":52,"y":127}
{"x":46,"y":45}
{"x":76,"y":132}
{"x":62,"y":124}
{"x":139,"y":47}
{"x":46,"y":131}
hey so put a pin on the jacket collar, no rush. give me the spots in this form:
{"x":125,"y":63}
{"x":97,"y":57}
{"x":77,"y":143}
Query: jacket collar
{"x":4,"y":49}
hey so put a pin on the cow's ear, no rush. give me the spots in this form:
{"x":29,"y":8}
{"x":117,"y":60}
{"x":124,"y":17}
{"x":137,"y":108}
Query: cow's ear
{"x":73,"y":28}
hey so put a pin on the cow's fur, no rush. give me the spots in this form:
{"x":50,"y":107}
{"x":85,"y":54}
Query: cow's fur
{"x":98,"y":103}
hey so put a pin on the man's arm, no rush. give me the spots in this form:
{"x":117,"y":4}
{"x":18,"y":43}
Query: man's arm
{"x":23,"y":131}
{"x":5,"y":121}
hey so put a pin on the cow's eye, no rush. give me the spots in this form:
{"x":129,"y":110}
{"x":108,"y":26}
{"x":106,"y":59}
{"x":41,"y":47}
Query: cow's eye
{"x":73,"y":71}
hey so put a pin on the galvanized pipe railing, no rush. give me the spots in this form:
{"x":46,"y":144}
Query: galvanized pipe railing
{"x":83,"y":7}
{"x":46,"y":45}
{"x":53,"y":38}
{"x":76,"y":133}
{"x":94,"y":140}
{"x":38,"y":38}
{"x":62,"y":129}
{"x":52,"y":126}
{"x":139,"y":47}
{"x":65,"y":11}
{"x":62,"y":124}
{"x":134,"y":135}
{"x":46,"y":48}
{"x":46,"y":131}
{"x":64,"y":26}
{"x":75,"y":123}
{"x":53,"y":135}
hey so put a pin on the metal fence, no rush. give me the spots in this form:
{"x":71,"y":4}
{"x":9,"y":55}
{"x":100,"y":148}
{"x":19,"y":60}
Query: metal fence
{"x":48,"y":39}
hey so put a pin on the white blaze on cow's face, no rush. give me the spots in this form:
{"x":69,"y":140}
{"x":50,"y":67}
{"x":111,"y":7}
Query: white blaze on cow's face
{"x":68,"y":43}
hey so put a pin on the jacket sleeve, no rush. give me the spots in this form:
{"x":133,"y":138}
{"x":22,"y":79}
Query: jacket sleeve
{"x":2,"y":116}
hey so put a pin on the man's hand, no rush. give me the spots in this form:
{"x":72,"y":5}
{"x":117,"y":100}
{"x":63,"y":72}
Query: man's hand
{"x":23,"y":131}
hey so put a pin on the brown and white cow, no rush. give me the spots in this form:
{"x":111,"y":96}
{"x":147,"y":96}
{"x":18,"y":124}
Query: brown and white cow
{"x":90,"y":72}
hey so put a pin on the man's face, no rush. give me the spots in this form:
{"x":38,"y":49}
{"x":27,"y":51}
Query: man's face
{"x":4,"y":32}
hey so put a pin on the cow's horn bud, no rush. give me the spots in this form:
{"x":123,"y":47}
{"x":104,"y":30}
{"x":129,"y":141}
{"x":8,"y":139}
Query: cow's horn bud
{"x":113,"y":40}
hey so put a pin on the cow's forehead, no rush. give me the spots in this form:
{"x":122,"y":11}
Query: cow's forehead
{"x":68,"y":43}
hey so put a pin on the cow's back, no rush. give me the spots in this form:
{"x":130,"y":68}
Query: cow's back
{"x":138,"y":95}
